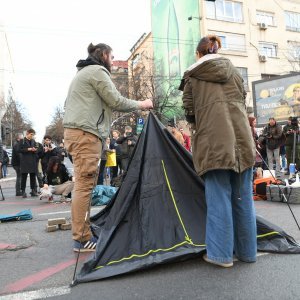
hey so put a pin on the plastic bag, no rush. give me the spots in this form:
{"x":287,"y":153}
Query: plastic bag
{"x":111,"y":159}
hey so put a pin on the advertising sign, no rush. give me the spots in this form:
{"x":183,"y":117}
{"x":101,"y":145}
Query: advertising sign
{"x":278,"y":97}
{"x":175,"y":39}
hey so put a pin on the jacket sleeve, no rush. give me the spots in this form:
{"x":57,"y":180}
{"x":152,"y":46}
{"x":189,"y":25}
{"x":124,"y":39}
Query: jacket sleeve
{"x":45,"y":179}
{"x":187,"y":99}
{"x":106,"y":89}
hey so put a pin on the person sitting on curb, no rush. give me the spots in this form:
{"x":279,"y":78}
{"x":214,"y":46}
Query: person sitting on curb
{"x":58,"y":179}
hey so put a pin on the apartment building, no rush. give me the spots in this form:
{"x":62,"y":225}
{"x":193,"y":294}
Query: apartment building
{"x":261,"y":38}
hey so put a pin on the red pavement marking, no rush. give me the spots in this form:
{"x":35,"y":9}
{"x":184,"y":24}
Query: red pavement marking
{"x":7,"y":246}
{"x":39,"y":276}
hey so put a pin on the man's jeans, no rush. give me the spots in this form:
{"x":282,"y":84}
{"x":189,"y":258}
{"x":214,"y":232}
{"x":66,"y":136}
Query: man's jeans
{"x":85,"y":149}
{"x":270,"y":154}
{"x":230,"y":221}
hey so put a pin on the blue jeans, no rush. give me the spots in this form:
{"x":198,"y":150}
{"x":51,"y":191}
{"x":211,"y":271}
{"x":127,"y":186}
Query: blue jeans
{"x":230,"y":221}
{"x":4,"y":170}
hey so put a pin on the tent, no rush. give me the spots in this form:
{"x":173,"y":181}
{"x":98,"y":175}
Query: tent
{"x":158,"y":214}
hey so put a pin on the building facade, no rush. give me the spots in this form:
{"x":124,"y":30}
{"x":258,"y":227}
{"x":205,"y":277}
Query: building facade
{"x":261,"y":38}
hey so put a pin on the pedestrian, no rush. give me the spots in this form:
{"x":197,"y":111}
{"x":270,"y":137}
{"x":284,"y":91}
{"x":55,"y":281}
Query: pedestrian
{"x":114,"y":145}
{"x":15,"y":162}
{"x":49,"y":150}
{"x":88,"y":114}
{"x":186,"y":140}
{"x":273,"y":135}
{"x":28,"y":162}
{"x":58,"y":177}
{"x":1,"y":158}
{"x":61,"y":151}
{"x":289,"y":130}
{"x":177,"y":135}
{"x":102,"y":169}
{"x":127,"y":143}
{"x":223,"y":153}
{"x":5,"y":163}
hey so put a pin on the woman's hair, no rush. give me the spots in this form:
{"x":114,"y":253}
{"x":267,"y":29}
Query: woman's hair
{"x":209,"y":44}
{"x":52,"y":161}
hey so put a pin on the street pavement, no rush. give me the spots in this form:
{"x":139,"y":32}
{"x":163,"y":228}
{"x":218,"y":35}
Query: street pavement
{"x":35,"y":264}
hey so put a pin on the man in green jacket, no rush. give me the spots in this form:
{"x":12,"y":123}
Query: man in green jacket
{"x":88,"y":114}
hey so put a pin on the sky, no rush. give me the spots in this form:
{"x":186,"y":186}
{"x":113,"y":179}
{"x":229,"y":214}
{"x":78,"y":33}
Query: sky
{"x":47,"y":38}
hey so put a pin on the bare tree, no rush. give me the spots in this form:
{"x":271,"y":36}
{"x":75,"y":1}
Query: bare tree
{"x":293,"y":55}
{"x":146,"y":81}
{"x":14,"y":121}
{"x":56,"y":128}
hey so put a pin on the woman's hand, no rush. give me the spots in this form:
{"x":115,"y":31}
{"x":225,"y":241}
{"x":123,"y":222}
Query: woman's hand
{"x":46,"y":186}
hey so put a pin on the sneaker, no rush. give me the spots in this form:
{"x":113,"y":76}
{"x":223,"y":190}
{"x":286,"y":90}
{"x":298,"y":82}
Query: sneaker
{"x":224,"y":265}
{"x":24,"y":195}
{"x":87,"y":246}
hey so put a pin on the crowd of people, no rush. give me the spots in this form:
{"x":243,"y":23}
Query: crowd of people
{"x":277,"y":145}
{"x":36,"y":159}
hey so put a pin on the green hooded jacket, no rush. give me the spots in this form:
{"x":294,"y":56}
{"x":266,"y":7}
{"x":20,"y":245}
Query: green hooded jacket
{"x":91,"y":98}
{"x":214,"y":100}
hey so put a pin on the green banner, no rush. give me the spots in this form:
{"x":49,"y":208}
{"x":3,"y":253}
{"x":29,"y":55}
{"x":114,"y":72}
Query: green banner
{"x":175,"y":39}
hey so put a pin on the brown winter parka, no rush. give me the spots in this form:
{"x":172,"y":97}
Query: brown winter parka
{"x":214,"y":95}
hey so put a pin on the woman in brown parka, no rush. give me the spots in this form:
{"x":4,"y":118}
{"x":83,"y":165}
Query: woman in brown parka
{"x":223,"y":153}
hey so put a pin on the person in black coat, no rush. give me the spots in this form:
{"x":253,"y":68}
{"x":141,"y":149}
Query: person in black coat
{"x":28,"y":162}
{"x":49,"y":150}
{"x":15,"y":162}
{"x":127,"y":143}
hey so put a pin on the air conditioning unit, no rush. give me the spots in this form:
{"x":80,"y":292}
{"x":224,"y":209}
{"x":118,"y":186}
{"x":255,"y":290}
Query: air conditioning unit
{"x":262,"y":26}
{"x":262,"y":58}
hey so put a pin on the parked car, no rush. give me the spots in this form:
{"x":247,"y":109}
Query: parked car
{"x":9,"y":153}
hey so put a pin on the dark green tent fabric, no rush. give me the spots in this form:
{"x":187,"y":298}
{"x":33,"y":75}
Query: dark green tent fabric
{"x":158,"y":214}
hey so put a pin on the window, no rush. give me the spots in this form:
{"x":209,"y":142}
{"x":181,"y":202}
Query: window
{"x":231,"y":41}
{"x":294,"y":50}
{"x":135,"y":59}
{"x":224,"y":10}
{"x":268,"y":49}
{"x":292,"y":21}
{"x":265,"y":17}
{"x":244,"y":73}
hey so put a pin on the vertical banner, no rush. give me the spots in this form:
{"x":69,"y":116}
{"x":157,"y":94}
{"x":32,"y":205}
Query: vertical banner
{"x":175,"y":39}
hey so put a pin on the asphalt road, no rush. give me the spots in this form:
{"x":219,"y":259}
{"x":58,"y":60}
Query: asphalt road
{"x":35,"y":264}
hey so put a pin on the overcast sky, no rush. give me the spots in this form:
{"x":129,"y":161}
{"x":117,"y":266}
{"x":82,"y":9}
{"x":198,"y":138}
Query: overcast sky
{"x":47,"y":38}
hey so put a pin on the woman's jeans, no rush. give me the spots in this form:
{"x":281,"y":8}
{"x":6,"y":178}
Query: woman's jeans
{"x":231,"y":220}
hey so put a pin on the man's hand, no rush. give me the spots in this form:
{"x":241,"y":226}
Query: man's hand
{"x":146,"y":104}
